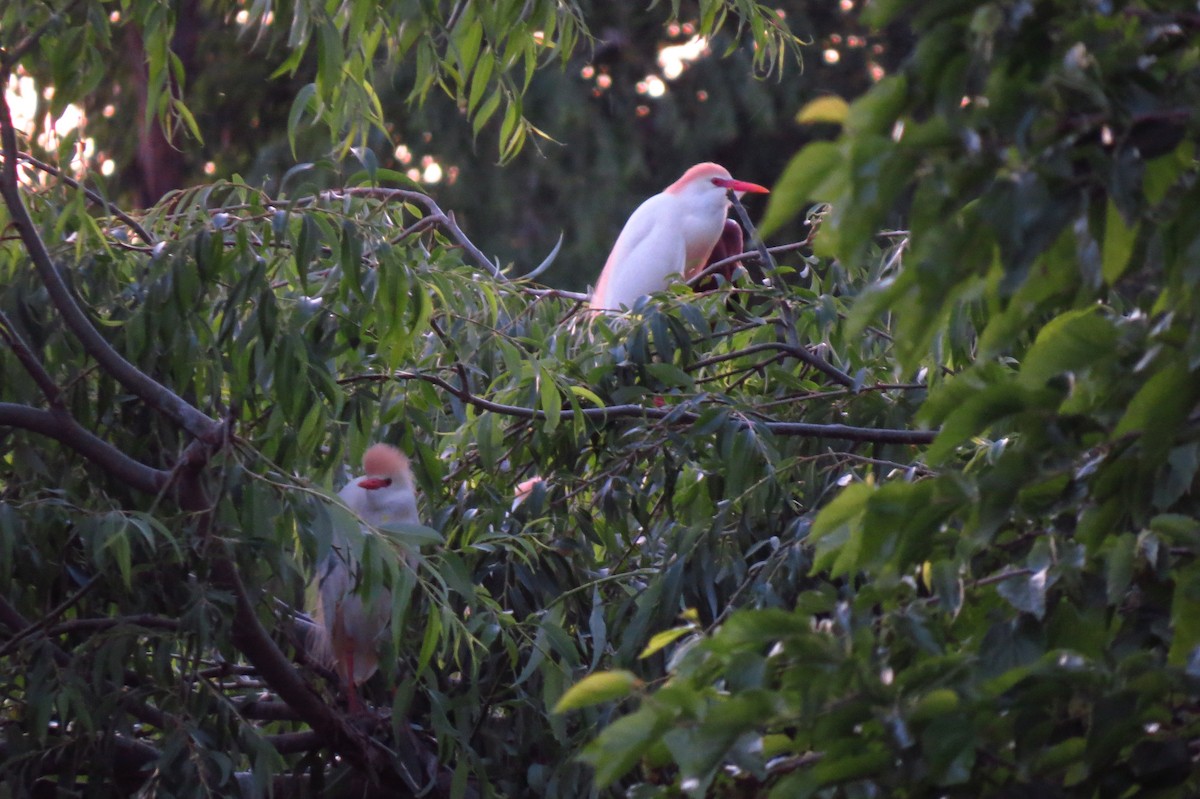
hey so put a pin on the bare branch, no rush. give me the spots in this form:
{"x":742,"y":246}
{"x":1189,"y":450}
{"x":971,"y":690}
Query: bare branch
{"x":761,"y":248}
{"x":434,"y":212}
{"x":802,"y":429}
{"x":54,"y":613}
{"x":146,"y":621}
{"x":95,"y":197}
{"x":577,"y":296}
{"x":799,"y":353}
{"x":756,"y":255}
{"x":546,"y":262}
{"x":11,"y":618}
{"x":256,"y":644}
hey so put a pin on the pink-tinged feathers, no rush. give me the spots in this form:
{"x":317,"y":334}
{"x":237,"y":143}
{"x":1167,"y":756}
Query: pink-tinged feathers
{"x":350,"y":624}
{"x":728,"y":245}
{"x":705,"y":171}
{"x":384,"y":460}
{"x":668,"y":234}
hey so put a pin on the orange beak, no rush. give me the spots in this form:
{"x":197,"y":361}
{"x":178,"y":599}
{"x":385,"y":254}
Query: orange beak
{"x":740,"y":185}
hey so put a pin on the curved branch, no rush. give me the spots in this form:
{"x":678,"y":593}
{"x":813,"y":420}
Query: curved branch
{"x":95,"y":197}
{"x":64,"y":429}
{"x":33,"y":365}
{"x":840,"y":432}
{"x":799,"y":353}
{"x":130,"y":761}
{"x":545,"y":264}
{"x":434,"y":212}
{"x":274,"y":667}
{"x":144,"y":621}
{"x":752,"y":255}
{"x":138,"y":382}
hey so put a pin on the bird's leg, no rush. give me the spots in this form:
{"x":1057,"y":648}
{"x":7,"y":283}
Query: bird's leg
{"x":354,"y":703}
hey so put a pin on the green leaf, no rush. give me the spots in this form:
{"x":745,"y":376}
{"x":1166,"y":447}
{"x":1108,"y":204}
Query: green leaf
{"x":622,"y":744}
{"x":663,"y":639}
{"x":1118,"y":566}
{"x":1158,"y":409}
{"x":304,"y":98}
{"x":330,"y":58}
{"x":1118,"y":244}
{"x":412,"y":536}
{"x":803,"y":182}
{"x":975,"y":415}
{"x":1070,"y":342}
{"x":603,"y":686}
{"x":1026,"y":592}
{"x":837,"y":533}
{"x":549,"y":400}
{"x":829,"y":108}
{"x":879,"y":108}
{"x":1185,"y":617}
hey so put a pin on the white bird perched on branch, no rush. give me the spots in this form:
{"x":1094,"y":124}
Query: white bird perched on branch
{"x":669,"y":234}
{"x":348,"y":630}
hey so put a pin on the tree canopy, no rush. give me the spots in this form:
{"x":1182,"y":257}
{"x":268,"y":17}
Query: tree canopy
{"x":906,"y":507}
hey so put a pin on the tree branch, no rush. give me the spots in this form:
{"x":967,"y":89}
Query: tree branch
{"x":273,"y":666}
{"x":761,"y":248}
{"x":63,"y":428}
{"x":434,"y":212}
{"x":11,"y":618}
{"x":95,"y":197}
{"x":152,"y":392}
{"x":799,"y":353}
{"x":755,"y":255}
{"x":803,"y":429}
{"x":31,"y":362}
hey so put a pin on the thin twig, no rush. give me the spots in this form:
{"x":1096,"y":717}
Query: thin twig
{"x":145,"y":621}
{"x":761,"y":248}
{"x":576,"y":296}
{"x":800,"y":353}
{"x":446,"y":221}
{"x":95,"y":197}
{"x":627,"y":411}
{"x":31,"y":362}
{"x":54,"y":613}
{"x":545,"y":264}
{"x":752,"y":255}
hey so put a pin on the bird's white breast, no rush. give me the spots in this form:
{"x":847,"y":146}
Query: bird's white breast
{"x":666,"y":234}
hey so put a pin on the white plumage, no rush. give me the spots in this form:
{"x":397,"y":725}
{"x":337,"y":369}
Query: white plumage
{"x":348,"y":631}
{"x":668,"y":234}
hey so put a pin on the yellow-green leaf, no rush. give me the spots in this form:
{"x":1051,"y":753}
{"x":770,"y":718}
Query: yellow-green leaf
{"x":830,"y":108}
{"x":603,"y":686}
{"x":663,"y":639}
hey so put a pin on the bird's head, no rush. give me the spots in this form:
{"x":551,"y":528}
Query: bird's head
{"x":384,"y":466}
{"x":702,"y":179}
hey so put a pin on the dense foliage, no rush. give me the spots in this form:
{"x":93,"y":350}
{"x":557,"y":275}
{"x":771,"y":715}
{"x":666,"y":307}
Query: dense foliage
{"x":915,"y":515}
{"x":1013,"y":610}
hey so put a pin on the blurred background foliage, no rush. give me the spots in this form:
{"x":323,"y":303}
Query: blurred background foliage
{"x":917,"y":516}
{"x":617,"y":126}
